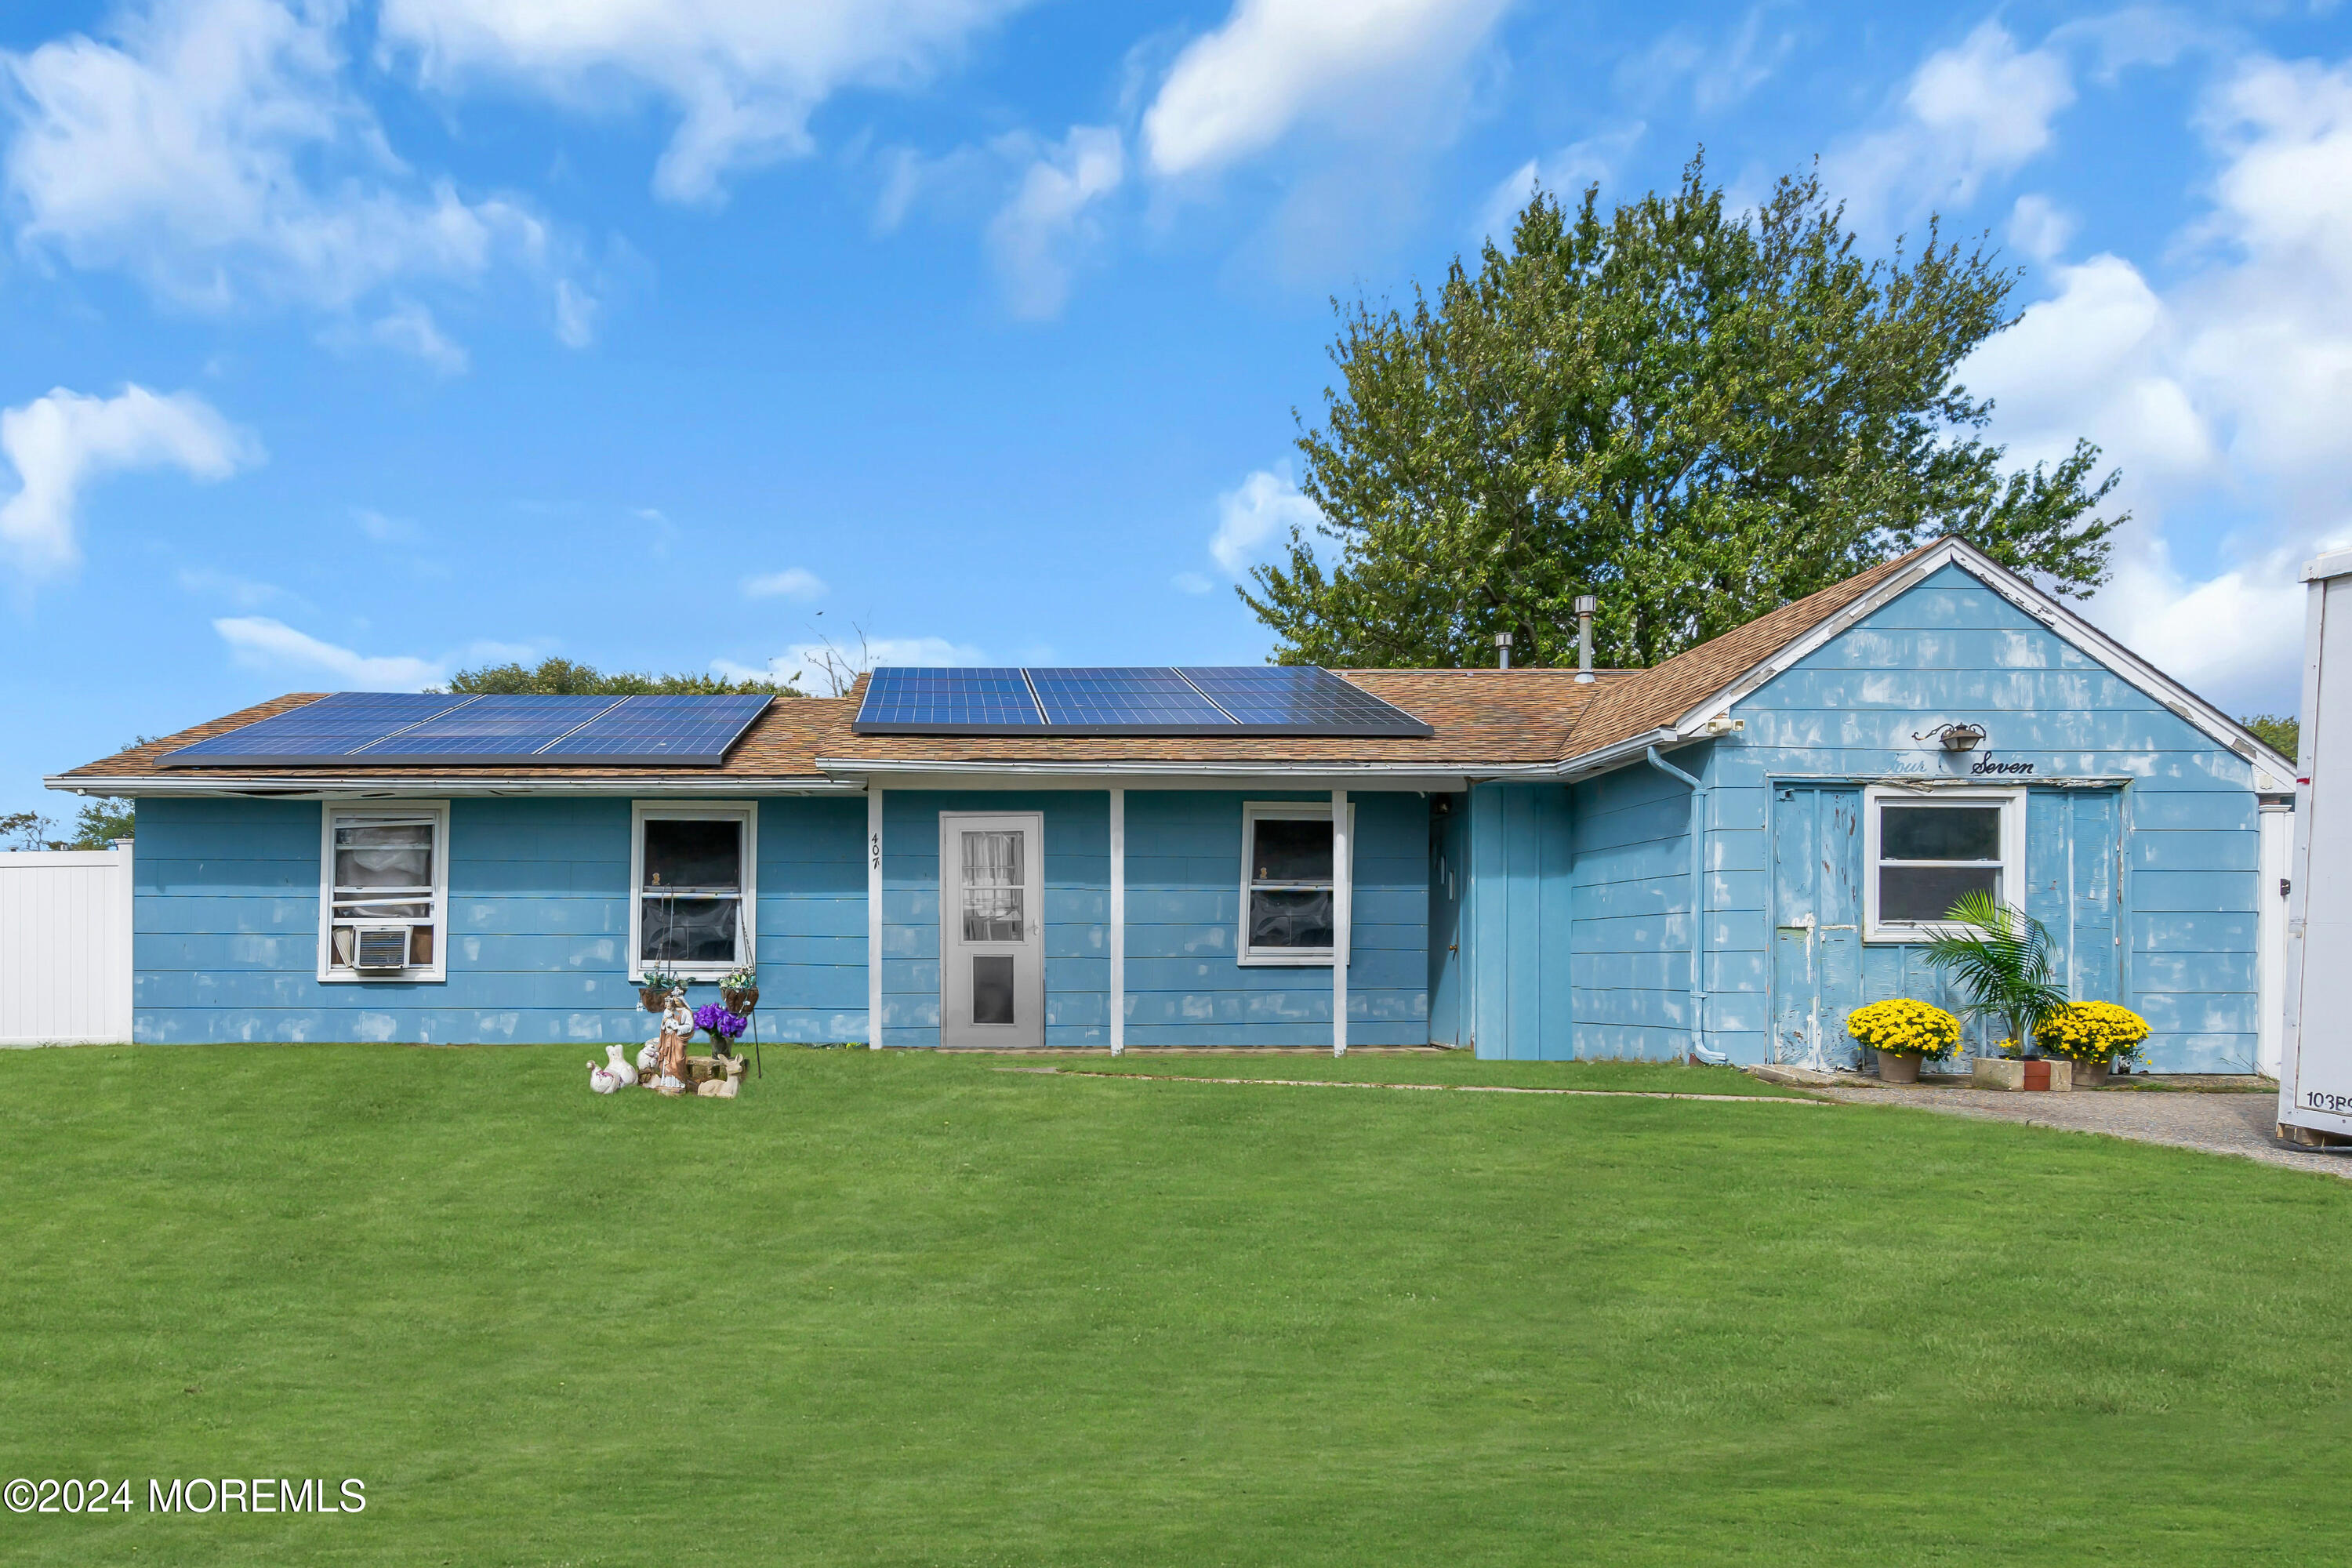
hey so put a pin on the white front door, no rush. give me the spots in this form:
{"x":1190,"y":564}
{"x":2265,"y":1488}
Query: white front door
{"x":992,"y":930}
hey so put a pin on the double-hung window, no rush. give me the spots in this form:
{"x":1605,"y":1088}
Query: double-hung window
{"x":690,"y":869}
{"x":1923,"y":850}
{"x":1289,"y":883}
{"x":384,"y":891}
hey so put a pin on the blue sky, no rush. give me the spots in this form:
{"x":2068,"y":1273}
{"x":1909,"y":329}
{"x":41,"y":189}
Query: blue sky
{"x":349,"y":343}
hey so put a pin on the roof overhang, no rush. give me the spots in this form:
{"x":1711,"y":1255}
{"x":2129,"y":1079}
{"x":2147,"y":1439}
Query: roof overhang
{"x":1438,"y":776}
{"x":328,"y":786}
{"x":2128,"y":666}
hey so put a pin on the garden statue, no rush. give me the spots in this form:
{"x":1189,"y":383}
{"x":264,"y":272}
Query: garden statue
{"x":677,"y":1030}
{"x":617,"y":1063}
{"x":602,"y":1080}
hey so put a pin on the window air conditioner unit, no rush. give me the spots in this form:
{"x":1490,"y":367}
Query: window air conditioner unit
{"x":382,"y":948}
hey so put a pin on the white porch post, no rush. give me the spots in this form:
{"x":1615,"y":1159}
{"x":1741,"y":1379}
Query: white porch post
{"x":1118,"y":920}
{"x":873,"y":918}
{"x":1343,"y":895}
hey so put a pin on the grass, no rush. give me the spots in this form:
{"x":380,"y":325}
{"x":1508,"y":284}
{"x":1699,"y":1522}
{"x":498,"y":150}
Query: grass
{"x":1439,"y":1067}
{"x":900,"y":1308}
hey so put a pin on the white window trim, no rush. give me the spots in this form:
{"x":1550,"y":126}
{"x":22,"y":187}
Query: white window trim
{"x":1252,"y":813}
{"x":329,"y":813}
{"x":746,"y":935}
{"x":2013,"y":853}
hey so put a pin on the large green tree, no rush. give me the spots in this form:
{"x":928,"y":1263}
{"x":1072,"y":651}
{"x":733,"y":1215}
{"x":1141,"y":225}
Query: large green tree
{"x":1696,"y":414}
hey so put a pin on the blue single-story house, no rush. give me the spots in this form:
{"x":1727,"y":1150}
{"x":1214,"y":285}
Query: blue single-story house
{"x":1723,"y":854}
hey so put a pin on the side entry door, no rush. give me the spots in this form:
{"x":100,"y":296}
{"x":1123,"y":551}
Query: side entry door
{"x":992,"y":930}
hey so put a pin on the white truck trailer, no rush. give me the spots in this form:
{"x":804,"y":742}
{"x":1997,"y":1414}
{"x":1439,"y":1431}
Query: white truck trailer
{"x":2315,"y":1071}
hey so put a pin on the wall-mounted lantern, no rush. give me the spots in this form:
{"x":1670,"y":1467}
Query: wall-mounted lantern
{"x":1954,"y":737}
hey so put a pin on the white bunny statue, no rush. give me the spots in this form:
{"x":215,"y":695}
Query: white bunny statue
{"x":650,"y":1055}
{"x":617,"y":1064}
{"x":600,"y":1080}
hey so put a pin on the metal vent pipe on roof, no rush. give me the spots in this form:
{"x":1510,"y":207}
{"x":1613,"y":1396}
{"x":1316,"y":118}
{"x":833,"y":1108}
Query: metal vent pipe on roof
{"x":1503,"y":650}
{"x":1586,"y":604}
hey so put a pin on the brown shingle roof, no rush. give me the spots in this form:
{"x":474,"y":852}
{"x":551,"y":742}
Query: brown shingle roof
{"x":1662,"y":694}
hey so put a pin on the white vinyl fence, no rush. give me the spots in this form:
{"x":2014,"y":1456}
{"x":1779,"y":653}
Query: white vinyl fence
{"x":65,"y":946}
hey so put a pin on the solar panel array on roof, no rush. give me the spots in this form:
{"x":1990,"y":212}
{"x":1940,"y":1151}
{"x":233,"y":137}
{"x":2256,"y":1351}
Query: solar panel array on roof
{"x":394,"y":729}
{"x":1156,"y":699}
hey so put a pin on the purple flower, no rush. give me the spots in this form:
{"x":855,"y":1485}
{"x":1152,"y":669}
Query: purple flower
{"x":717,"y":1021}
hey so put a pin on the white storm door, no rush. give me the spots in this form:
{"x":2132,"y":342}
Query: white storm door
{"x":992,"y":930}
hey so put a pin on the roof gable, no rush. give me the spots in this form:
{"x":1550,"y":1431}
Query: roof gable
{"x":1668,"y":705}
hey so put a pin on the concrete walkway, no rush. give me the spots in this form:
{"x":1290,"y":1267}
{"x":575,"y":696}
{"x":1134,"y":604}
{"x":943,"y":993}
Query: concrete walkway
{"x":2240,"y":1124}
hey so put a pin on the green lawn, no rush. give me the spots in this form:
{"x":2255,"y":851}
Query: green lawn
{"x":1437,"y":1067}
{"x":898,"y":1308}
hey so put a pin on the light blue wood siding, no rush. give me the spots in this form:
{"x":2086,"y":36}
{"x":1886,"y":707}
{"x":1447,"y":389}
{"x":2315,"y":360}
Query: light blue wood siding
{"x":1631,"y":903}
{"x":226,"y":927}
{"x":2181,"y":894}
{"x":1183,"y":913}
{"x":1517,"y":953}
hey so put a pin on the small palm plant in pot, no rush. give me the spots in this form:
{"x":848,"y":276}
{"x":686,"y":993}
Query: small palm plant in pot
{"x":2004,"y":962}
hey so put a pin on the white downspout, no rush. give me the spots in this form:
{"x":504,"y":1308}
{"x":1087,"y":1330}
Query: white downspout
{"x":1697,"y":905}
{"x":1118,"y":920}
{"x":873,"y":919}
{"x":1342,"y":918}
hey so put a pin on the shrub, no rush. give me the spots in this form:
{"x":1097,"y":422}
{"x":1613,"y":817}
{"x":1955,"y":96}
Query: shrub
{"x":1904,"y":1026}
{"x":2092,"y":1032}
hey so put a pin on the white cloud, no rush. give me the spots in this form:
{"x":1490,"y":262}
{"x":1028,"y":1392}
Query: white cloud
{"x":257,"y":642}
{"x":2223,"y":395}
{"x":1037,"y":238}
{"x":817,"y":667}
{"x":410,"y":329}
{"x":1971,"y":112}
{"x":1192,"y":583}
{"x":1371,"y":68}
{"x":792,"y":583}
{"x":385,"y":530}
{"x":244,"y":593}
{"x":2040,"y":227}
{"x":1723,"y":71}
{"x":1566,"y":173}
{"x":1256,"y":514}
{"x":213,"y":150}
{"x":744,"y":75}
{"x":60,"y":443}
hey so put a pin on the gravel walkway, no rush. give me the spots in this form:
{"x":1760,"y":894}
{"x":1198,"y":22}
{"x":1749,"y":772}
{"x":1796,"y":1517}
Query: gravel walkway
{"x":2239,"y":1124}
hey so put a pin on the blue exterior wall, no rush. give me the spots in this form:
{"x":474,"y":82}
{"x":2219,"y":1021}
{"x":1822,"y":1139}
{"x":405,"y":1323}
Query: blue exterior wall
{"x":226,"y":926}
{"x":1950,"y":649}
{"x":1518,"y":961}
{"x":1183,"y":915}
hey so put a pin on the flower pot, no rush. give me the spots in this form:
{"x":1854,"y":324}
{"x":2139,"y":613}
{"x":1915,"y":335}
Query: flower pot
{"x":2090,"y":1075}
{"x":740,"y":1003}
{"x":654,"y":997}
{"x":1898,"y":1066}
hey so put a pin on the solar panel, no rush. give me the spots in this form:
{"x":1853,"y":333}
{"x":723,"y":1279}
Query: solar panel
{"x":980,"y":701}
{"x":1248,"y":699}
{"x":660,"y":729}
{"x":1123,"y":702}
{"x":1300,"y":699}
{"x":330,"y":728}
{"x":394,"y":729}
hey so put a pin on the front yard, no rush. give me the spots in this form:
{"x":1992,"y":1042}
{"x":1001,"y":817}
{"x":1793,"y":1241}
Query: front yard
{"x":905,"y":1307}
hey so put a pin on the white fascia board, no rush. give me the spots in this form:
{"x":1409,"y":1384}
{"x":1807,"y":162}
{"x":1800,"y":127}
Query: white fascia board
{"x":2135,"y":672}
{"x":916,"y":775}
{"x":329,"y":786}
{"x":1611,"y":757}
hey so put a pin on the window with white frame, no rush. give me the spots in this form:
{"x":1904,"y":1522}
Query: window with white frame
{"x":1923,"y":850}
{"x":690,"y":869}
{"x":384,"y":891}
{"x":1289,"y":883}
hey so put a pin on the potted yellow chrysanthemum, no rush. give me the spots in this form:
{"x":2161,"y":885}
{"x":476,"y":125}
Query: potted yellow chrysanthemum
{"x":2093,"y":1036}
{"x":1903,"y":1033}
